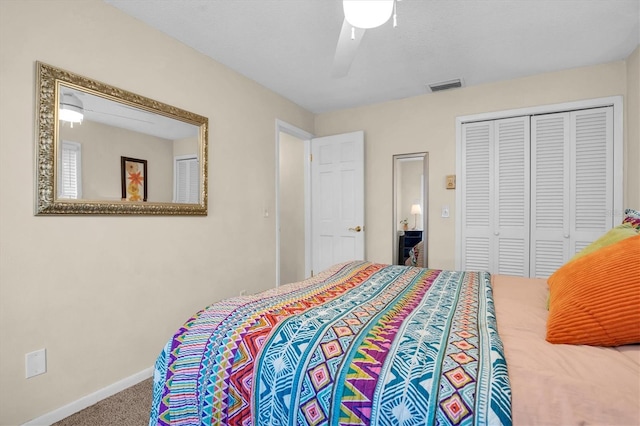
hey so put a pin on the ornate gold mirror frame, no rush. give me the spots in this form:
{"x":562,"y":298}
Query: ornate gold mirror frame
{"x":53,"y":85}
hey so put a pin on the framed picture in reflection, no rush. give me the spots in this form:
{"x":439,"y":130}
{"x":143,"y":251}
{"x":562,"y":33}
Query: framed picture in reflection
{"x":134,"y":179}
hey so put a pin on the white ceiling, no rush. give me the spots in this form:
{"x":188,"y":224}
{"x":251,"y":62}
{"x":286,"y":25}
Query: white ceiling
{"x":288,"y":45}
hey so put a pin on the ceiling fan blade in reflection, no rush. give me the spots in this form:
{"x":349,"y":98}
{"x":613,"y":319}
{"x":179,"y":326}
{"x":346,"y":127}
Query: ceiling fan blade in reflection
{"x":346,"y":49}
{"x":122,"y":116}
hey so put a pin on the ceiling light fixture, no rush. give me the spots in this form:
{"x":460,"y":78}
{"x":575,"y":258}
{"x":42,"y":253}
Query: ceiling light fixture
{"x":71,"y":109}
{"x":368,"y":13}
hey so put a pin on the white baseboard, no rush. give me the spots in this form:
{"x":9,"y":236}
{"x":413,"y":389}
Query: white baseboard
{"x":86,"y":401}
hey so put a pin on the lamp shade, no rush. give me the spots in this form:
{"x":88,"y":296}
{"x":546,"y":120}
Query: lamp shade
{"x":71,"y":109}
{"x":416,"y":209}
{"x":367,"y":13}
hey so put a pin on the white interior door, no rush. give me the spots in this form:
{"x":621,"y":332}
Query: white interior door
{"x":337,"y":199}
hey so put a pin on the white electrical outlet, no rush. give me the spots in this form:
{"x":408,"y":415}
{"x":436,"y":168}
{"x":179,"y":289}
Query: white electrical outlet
{"x":36,"y":363}
{"x":243,"y":292}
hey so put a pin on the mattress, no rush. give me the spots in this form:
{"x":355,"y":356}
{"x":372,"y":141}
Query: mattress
{"x":561,"y":384}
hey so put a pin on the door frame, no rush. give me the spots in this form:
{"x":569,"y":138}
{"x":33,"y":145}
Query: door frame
{"x":284,"y":127}
{"x":424,"y":193}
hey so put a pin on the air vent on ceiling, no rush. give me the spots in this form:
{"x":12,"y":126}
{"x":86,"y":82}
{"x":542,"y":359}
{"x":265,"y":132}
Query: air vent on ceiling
{"x":445,"y":85}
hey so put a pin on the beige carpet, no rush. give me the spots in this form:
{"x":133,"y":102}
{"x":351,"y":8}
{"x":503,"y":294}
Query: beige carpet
{"x":127,"y":408}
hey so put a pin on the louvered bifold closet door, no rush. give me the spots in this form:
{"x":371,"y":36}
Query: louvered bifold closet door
{"x":495,"y":192}
{"x":194,"y":181}
{"x":477,"y":193}
{"x":550,"y":177}
{"x":187,"y":186}
{"x":512,"y":185}
{"x":572,"y":185}
{"x":592,"y":177}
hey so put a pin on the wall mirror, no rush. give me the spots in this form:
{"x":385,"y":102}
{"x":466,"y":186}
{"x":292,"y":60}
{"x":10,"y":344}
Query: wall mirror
{"x":410,"y":209}
{"x":104,"y":150}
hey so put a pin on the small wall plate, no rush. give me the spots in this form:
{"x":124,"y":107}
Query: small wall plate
{"x":451,"y":182}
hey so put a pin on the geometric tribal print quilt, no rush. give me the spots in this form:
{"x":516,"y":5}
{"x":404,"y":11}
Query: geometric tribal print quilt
{"x":359,"y":344}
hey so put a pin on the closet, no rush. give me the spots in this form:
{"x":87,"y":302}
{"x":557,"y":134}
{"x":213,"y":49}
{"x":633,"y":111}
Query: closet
{"x":535,"y":189}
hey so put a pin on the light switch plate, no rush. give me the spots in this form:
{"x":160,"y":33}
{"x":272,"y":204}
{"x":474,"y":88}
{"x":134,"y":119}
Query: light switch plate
{"x":445,"y":211}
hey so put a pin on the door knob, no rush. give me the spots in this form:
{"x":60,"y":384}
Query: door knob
{"x":356,"y":229}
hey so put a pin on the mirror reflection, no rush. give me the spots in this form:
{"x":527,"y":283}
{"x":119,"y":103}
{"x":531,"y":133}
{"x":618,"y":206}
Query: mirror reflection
{"x":103,"y":150}
{"x":101,"y":132}
{"x":410,"y":207}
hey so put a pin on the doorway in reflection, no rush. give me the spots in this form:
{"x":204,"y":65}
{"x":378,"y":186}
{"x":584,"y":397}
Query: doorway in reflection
{"x":410,"y":209}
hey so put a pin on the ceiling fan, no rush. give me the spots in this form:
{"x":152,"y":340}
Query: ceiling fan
{"x":359,"y":15}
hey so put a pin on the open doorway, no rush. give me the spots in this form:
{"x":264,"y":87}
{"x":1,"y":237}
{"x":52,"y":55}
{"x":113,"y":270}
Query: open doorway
{"x":337,"y":229}
{"x":292,"y":238}
{"x":293,"y":252}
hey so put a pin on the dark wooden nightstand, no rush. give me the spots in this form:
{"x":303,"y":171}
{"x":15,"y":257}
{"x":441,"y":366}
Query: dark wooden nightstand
{"x":406,"y":242}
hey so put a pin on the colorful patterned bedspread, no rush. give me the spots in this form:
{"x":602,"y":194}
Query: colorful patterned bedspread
{"x":358,"y":344}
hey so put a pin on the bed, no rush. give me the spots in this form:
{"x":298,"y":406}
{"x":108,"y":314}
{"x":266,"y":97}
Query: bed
{"x":561,"y":384}
{"x":365,"y":343}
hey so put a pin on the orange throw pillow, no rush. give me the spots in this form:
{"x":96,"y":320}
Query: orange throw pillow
{"x":595,"y":299}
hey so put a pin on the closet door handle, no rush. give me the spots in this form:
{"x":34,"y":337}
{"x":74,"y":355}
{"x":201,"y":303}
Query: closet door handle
{"x":496,"y":233}
{"x":566,"y":235}
{"x":356,"y":229}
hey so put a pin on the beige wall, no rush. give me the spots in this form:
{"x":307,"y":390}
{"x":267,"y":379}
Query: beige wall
{"x":632,"y":121}
{"x":103,"y":294}
{"x":188,"y":146}
{"x":427,"y":123}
